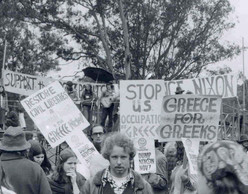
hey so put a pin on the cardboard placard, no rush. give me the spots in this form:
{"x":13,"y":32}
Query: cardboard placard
{"x":54,"y":113}
{"x":192,"y":151}
{"x":140,"y":105}
{"x":145,"y":159}
{"x":189,"y":116}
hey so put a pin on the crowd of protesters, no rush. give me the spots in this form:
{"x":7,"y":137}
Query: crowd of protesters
{"x":25,"y":168}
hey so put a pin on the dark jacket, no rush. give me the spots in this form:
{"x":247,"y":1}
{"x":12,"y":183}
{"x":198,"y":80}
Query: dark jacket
{"x":65,"y":188}
{"x":95,"y":185}
{"x":25,"y":176}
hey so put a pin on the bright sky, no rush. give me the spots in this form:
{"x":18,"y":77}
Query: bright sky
{"x":240,"y":17}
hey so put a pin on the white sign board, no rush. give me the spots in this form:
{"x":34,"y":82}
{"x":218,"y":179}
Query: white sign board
{"x":54,"y":113}
{"x":221,"y":85}
{"x":192,"y":151}
{"x":140,"y":107}
{"x":92,"y":161}
{"x":189,"y":116}
{"x":145,"y":159}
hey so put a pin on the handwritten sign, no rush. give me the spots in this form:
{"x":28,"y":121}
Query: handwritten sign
{"x":189,"y":116}
{"x":92,"y":161}
{"x":192,"y":151}
{"x":140,"y":105}
{"x":223,"y":85}
{"x":144,"y":160}
{"x":54,"y":113}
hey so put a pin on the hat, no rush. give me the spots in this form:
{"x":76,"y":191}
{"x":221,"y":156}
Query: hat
{"x":222,"y":157}
{"x":69,"y":83}
{"x":35,"y":148}
{"x":243,"y":138}
{"x":14,"y":140}
{"x":179,"y":90}
{"x":65,"y":155}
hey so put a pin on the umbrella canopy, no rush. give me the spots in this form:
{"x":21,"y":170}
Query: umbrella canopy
{"x":98,"y":74}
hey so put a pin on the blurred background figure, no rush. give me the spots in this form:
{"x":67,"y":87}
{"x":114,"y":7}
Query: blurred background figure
{"x":65,"y":179}
{"x":158,"y":180}
{"x":72,"y":92}
{"x":244,"y":142}
{"x":38,"y":154}
{"x":170,"y":152}
{"x":88,"y":99}
{"x":97,"y":136}
{"x":107,"y":102}
{"x":12,"y":118}
{"x":222,"y":168}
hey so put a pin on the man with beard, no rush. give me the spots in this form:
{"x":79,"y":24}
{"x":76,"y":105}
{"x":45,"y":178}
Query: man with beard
{"x":118,"y":177}
{"x":97,"y":136}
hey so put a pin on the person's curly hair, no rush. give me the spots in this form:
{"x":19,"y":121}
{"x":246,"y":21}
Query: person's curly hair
{"x":120,"y":140}
{"x":227,"y":183}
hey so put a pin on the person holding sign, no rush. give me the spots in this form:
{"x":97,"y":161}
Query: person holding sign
{"x":65,"y":180}
{"x":107,"y":102}
{"x":222,"y":168}
{"x":118,"y":177}
{"x":25,"y":176}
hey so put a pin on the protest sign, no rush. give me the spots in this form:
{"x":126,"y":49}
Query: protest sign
{"x":192,"y":151}
{"x":145,"y":159}
{"x":223,"y":85}
{"x":140,"y":105}
{"x":189,"y":116}
{"x":54,"y":113}
{"x":92,"y":161}
{"x":25,"y":84}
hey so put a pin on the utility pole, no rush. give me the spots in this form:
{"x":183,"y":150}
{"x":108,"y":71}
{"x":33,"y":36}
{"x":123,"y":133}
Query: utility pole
{"x":244,"y":104}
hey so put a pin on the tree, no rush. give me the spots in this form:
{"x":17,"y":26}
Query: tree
{"x":27,"y":49}
{"x":169,"y":39}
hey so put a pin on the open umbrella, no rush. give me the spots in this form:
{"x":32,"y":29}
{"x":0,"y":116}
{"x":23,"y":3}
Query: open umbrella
{"x":98,"y":74}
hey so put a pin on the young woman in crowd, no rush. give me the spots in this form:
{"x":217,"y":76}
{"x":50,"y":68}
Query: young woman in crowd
{"x":38,"y":154}
{"x":223,"y":168}
{"x":65,"y":179}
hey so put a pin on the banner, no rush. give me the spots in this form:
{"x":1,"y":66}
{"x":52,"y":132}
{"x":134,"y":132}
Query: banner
{"x":140,"y":107}
{"x":23,"y":84}
{"x":192,"y":151}
{"x":189,"y":116}
{"x":91,"y":160}
{"x":145,"y":159}
{"x":54,"y":113}
{"x":221,"y":85}
{"x":26,"y":85}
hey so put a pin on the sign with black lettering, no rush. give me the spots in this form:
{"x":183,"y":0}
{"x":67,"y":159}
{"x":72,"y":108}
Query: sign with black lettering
{"x":140,"y":106}
{"x":25,"y":84}
{"x":191,"y":147}
{"x":189,"y":116}
{"x":144,"y":160}
{"x":221,"y":85}
{"x":54,"y":113}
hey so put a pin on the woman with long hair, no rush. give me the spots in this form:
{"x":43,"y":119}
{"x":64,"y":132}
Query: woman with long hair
{"x":223,"y":168}
{"x":37,"y":153}
{"x":65,"y":179}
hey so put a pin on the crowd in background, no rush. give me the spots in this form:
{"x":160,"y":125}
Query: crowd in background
{"x":25,"y":168}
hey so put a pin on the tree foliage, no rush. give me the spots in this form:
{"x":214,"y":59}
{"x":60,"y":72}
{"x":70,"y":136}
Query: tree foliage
{"x":168,"y":39}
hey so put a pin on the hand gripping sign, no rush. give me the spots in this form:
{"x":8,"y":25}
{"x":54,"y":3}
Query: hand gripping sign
{"x":54,"y":113}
